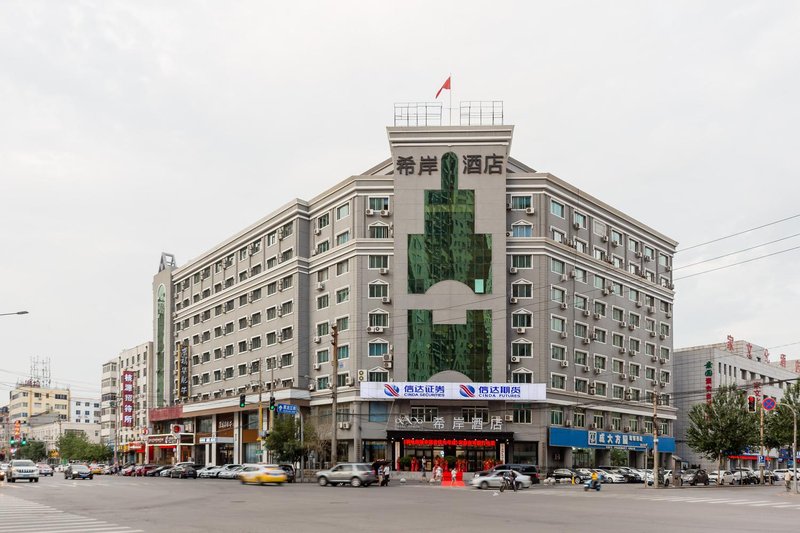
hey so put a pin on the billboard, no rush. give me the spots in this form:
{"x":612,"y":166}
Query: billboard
{"x":406,"y":390}
{"x":128,"y":377}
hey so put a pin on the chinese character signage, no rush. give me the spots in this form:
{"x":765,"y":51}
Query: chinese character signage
{"x":470,"y":164}
{"x":127,"y":398}
{"x":729,"y":344}
{"x":452,"y":391}
{"x":183,"y":370}
{"x":581,"y":438}
{"x":709,"y":373}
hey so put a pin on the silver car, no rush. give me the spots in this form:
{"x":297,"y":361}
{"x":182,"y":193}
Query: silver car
{"x":209,"y":471}
{"x":229,"y":471}
{"x":495,"y":479}
{"x":355,"y":474}
{"x":23,"y":469}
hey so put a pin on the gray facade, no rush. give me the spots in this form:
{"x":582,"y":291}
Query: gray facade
{"x":580,"y":298}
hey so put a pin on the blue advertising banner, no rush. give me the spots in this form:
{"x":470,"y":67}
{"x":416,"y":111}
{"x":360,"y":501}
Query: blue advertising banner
{"x":581,"y":438}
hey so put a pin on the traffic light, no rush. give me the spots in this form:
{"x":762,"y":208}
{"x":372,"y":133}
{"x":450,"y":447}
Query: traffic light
{"x":751,"y":404}
{"x":271,"y":403}
{"x":13,"y":442}
{"x":24,"y":440}
{"x":242,"y":400}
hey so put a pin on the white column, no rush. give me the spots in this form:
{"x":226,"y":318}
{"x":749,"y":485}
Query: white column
{"x":214,"y":439}
{"x":237,"y":441}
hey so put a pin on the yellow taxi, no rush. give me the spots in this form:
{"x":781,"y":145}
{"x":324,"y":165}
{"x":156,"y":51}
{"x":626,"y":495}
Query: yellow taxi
{"x":97,"y":469}
{"x":262,"y":474}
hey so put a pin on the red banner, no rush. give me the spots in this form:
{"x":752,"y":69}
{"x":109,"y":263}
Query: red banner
{"x":467,"y":443}
{"x":127,"y":398}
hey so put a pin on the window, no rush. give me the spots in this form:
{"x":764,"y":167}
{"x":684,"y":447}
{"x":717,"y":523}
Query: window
{"x":600,"y":362}
{"x":379,"y":203}
{"x":242,"y":346}
{"x":378,"y":375}
{"x":426,"y":414}
{"x":581,"y":302}
{"x":633,"y":295}
{"x":521,"y":376}
{"x":287,"y":308}
{"x":579,"y":219}
{"x":378,"y":261}
{"x":323,"y":383}
{"x":558,"y":352}
{"x":557,"y":208}
{"x":633,"y":245}
{"x":323,"y":301}
{"x":287,"y":333}
{"x":379,"y":319}
{"x":255,"y":343}
{"x":633,"y":369}
{"x":272,"y":313}
{"x":218,"y":375}
{"x":557,"y":267}
{"x":343,"y":295}
{"x":558,"y":324}
{"x":286,"y":359}
{"x":582,"y":247}
{"x":581,"y":330}
{"x":342,"y":238}
{"x":255,"y":319}
{"x":649,"y":252}
{"x":649,"y":324}
{"x":581,"y":385}
{"x":618,"y":392}
{"x":664,"y":329}
{"x":272,"y":262}
{"x":557,"y":235}
{"x":558,"y":295}
{"x":322,"y":275}
{"x":522,"y":349}
{"x":520,"y":202}
{"x":378,"y":231}
{"x":378,"y":289}
{"x":521,"y":319}
{"x":616,"y":237}
{"x":664,"y":353}
{"x":664,"y":376}
{"x":342,"y":352}
{"x":521,"y":261}
{"x":649,"y":349}
{"x":272,"y":288}
{"x":618,"y":366}
{"x":342,"y":267}
{"x":521,"y":289}
{"x":558,"y":381}
{"x":557,"y":416}
{"x":599,"y":254}
{"x":323,"y":356}
{"x":322,"y":329}
{"x":581,"y":358}
{"x":634,"y":345}
{"x":600,"y":308}
{"x":522,"y":413}
{"x":323,"y":220}
{"x":378,"y":348}
{"x":616,"y":288}
{"x":378,"y":411}
{"x":272,"y":338}
{"x":343,"y":211}
{"x":581,"y":275}
{"x":599,"y":282}
{"x":521,"y":229}
{"x":617,"y":340}
{"x":323,"y":246}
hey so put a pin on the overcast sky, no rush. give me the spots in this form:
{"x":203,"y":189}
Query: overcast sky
{"x":132,"y":128}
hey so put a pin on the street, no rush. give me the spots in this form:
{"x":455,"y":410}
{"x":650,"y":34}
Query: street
{"x":128,"y":505}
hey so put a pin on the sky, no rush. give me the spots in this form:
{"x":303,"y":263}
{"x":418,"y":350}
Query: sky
{"x":132,"y":128}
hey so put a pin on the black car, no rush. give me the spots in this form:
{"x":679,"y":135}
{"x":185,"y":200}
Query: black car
{"x":565,"y":473}
{"x":694,"y":477}
{"x":183,"y":471}
{"x":526,"y":470}
{"x":156,"y":471}
{"x":78,"y":472}
{"x":290,"y":473}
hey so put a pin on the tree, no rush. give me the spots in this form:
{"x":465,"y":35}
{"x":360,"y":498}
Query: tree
{"x":778,"y":425}
{"x":723,"y":427}
{"x":284,"y":438}
{"x":35,"y":450}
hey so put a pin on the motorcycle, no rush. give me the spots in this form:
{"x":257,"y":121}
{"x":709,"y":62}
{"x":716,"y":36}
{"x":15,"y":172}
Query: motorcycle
{"x":592,"y":484}
{"x":508,"y":483}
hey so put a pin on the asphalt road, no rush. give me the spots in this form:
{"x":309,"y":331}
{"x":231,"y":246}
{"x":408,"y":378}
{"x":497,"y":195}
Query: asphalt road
{"x":127,"y":505}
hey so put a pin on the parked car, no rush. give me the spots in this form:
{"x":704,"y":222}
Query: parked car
{"x":78,"y":471}
{"x":356,"y":474}
{"x":586,"y":473}
{"x":229,"y":471}
{"x":183,"y":472}
{"x":22,"y":469}
{"x":611,"y":477}
{"x":695,"y":476}
{"x":142,"y":470}
{"x":128,"y":470}
{"x":290,"y":473}
{"x":528,"y":470}
{"x":744,"y":476}
{"x":209,"y":471}
{"x":566,"y":473}
{"x":166,"y":471}
{"x":721,"y":477}
{"x":263,"y":474}
{"x":494,"y":478}
{"x":156,"y":471}
{"x":45,"y":469}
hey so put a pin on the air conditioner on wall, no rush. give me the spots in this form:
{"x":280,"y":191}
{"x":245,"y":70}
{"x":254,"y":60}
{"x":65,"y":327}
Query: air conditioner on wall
{"x":512,"y":300}
{"x":521,"y":331}
{"x":344,"y":425}
{"x":369,"y":212}
{"x":317,"y":366}
{"x":515,"y":359}
{"x":564,"y":364}
{"x":384,"y":271}
{"x":386,"y":300}
{"x":387,"y":358}
{"x":509,"y":418}
{"x":530,"y":211}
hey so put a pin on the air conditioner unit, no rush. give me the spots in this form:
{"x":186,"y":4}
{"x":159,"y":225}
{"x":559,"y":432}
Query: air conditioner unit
{"x":370,"y":329}
{"x":651,"y":309}
{"x":512,"y":270}
{"x":626,"y":429}
{"x":662,"y":336}
{"x":563,"y":334}
{"x":597,"y":316}
{"x":671,"y":286}
{"x":623,"y":377}
{"x":350,"y":382}
{"x":669,"y":315}
{"x":508,"y":206}
{"x":662,"y":361}
{"x":604,"y":238}
{"x":654,"y":358}
{"x":631,"y":326}
{"x":614,"y":243}
{"x":509,"y":418}
{"x":362,"y":374}
{"x":311,"y":386}
{"x":317,"y":366}
{"x":652,"y":333}
{"x":586,"y":340}
{"x":521,"y":331}
{"x":508,"y":234}
{"x":639,"y":304}
{"x":567,"y":423}
{"x":385,"y":212}
{"x":314,"y":251}
{"x":317,"y":340}
{"x":563,"y":305}
{"x":564,"y":364}
{"x":576,"y":225}
{"x":638,"y":255}
{"x":654,"y":383}
{"x":387,"y":358}
{"x":280,"y":285}
{"x":592,"y":426}
{"x":585,"y":368}
{"x":280,"y":234}
{"x":622,"y":350}
{"x":592,"y":390}
{"x":606,"y":292}
{"x":386,"y":300}
{"x":279,"y":337}
{"x":515,"y":359}
{"x":586,"y":312}
{"x":662,"y":384}
{"x":631,"y":377}
{"x":317,"y":231}
{"x":388,"y":364}
{"x":512,"y":300}
{"x":377,"y":329}
{"x":344,"y":425}
{"x":631,"y":352}
{"x":564,"y":277}
{"x":623,"y":324}
{"x":598,"y":370}
{"x":280,"y":312}
{"x":320,"y":285}
{"x":594,"y":336}
{"x":369,"y":212}
{"x":529,"y":211}
{"x":384,"y":271}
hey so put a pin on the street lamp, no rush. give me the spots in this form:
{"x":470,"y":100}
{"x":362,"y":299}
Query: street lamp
{"x":15,"y":313}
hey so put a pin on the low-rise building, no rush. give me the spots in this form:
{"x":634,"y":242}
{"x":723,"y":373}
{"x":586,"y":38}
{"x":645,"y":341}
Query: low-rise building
{"x":84,"y":410}
{"x":30,"y":398}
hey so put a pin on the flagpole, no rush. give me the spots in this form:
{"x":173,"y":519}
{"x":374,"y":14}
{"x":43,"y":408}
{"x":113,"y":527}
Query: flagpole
{"x":450,"y":77}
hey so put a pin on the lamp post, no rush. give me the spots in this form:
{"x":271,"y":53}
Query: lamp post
{"x":14,"y":313}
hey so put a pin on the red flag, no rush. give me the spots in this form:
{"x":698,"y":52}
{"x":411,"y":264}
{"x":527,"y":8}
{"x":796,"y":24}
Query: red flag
{"x":445,"y":86}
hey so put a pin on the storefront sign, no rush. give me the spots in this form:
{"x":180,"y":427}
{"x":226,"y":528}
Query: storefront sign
{"x":224,"y":423}
{"x":453,"y":391}
{"x":127,"y":398}
{"x":581,"y":438}
{"x":470,"y":164}
{"x":183,"y":370}
{"x":464,"y":443}
{"x":136,"y":446}
{"x":161,"y":439}
{"x":708,"y":373}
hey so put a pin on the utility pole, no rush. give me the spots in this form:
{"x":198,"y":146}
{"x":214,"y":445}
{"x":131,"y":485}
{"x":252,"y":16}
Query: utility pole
{"x":761,"y":449}
{"x":270,"y":415}
{"x":794,"y":443}
{"x":333,"y":383}
{"x":655,"y":438}
{"x":260,"y":414}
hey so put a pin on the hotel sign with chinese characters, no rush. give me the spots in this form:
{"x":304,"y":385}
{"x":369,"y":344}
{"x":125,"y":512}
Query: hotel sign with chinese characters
{"x":429,"y":164}
{"x":127,"y":398}
{"x":183,"y":370}
{"x":519,"y":392}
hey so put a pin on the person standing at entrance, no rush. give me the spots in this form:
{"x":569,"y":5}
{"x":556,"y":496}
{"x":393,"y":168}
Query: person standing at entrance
{"x":453,"y":476}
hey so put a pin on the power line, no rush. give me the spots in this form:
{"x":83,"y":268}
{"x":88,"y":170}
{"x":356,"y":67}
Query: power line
{"x":736,"y":234}
{"x":736,"y":252}
{"x":737,"y":263}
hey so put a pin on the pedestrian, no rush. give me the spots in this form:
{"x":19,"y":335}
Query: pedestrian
{"x":386,"y":470}
{"x":453,"y":475}
{"x":787,"y":479}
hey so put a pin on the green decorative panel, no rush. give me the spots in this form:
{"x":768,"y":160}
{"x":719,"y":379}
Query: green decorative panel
{"x":161,"y":304}
{"x":450,"y":249}
{"x":465,"y":348}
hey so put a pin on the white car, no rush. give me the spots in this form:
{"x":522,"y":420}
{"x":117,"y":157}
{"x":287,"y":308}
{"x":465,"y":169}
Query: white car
{"x":209,"y":471}
{"x":22,"y":469}
{"x":45,"y":469}
{"x":230,"y":471}
{"x":727,"y":477}
{"x":495,"y":479}
{"x":611,"y":477}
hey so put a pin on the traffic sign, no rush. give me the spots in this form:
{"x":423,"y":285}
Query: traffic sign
{"x":761,"y":460}
{"x":287,"y":409}
{"x":768,"y":404}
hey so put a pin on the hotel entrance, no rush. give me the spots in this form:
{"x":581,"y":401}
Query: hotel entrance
{"x":469,"y":453}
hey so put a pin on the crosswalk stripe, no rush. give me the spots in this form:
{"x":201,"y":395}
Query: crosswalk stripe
{"x":750,"y":502}
{"x":30,"y":517}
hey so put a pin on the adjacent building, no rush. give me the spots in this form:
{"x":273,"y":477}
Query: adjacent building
{"x":109,"y":389}
{"x":483,"y":310}
{"x":30,"y":398}
{"x":84,"y":410}
{"x":48,"y":427}
{"x":701,"y":370}
{"x":133,"y":400}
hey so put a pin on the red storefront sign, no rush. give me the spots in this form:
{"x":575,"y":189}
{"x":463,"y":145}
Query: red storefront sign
{"x":127,"y":398}
{"x":709,"y":372}
{"x":465,"y":443}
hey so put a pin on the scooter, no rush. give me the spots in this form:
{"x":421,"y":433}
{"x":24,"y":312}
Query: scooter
{"x":592,"y":485}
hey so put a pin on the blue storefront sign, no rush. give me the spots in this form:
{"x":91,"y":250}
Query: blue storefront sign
{"x":581,"y":438}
